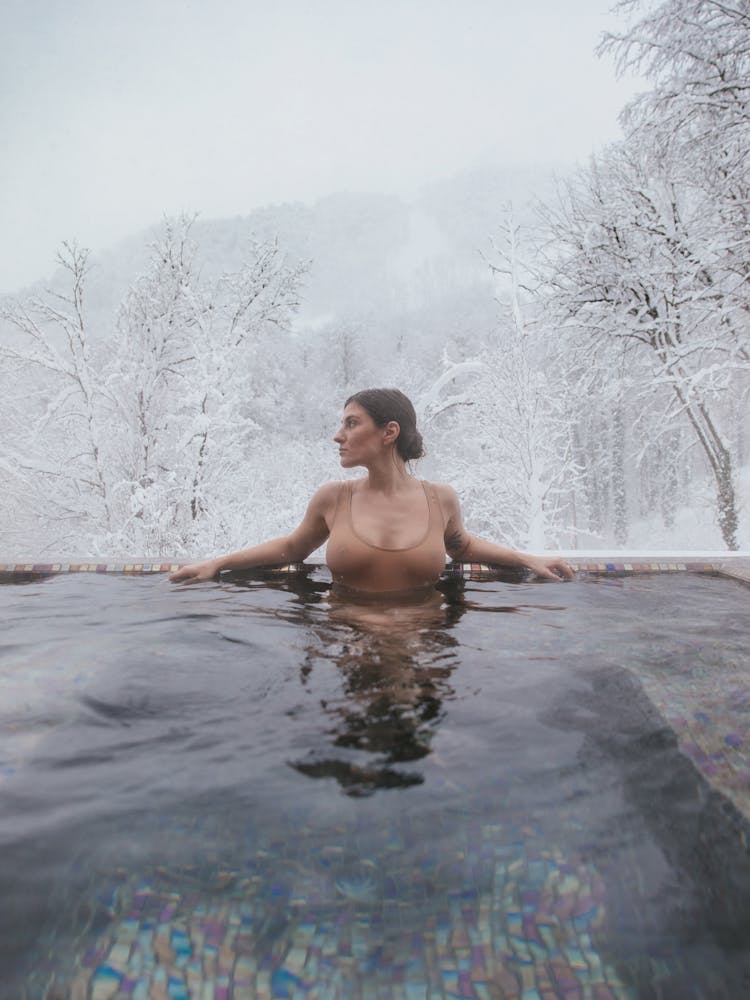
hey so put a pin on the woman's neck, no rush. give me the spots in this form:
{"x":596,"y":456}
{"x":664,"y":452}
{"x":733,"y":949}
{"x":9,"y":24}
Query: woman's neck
{"x":388,"y":476}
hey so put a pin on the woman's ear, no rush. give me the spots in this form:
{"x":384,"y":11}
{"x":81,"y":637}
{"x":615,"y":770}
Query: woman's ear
{"x":391,"y":431}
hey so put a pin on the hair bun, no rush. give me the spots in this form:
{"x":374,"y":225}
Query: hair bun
{"x":412,"y":446}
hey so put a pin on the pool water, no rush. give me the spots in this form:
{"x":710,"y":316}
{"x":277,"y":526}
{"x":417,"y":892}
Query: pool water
{"x":250,"y":790}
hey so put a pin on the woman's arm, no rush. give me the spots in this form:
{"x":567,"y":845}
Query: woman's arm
{"x":311,"y":532}
{"x":460,"y":545}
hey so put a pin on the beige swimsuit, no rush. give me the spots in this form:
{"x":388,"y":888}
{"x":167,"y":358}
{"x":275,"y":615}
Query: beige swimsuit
{"x":359,"y":565}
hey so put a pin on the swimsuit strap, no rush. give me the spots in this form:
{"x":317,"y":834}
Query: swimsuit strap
{"x":349,"y":495}
{"x":343,"y":487}
{"x":433,"y":500}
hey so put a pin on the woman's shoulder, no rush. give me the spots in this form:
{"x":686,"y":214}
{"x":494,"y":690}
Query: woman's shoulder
{"x":329,"y":492}
{"x":444,"y":491}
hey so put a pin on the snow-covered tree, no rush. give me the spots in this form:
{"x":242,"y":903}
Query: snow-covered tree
{"x":691,"y":133}
{"x":154,"y":367}
{"x":144,"y":437}
{"x":198,"y":363}
{"x":510,"y":417}
{"x":630,"y":276}
{"x":59,"y":454}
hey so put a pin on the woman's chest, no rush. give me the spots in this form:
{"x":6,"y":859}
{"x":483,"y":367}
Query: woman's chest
{"x":390,"y":523}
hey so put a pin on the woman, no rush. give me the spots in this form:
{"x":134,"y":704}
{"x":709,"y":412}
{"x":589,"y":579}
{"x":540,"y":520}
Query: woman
{"x":388,"y":532}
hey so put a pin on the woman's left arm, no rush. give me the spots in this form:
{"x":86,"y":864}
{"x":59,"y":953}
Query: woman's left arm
{"x":462,"y":546}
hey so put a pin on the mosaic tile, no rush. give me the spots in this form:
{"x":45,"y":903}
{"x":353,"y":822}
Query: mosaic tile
{"x":711,"y":720}
{"x":738,"y":569}
{"x":535,"y":929}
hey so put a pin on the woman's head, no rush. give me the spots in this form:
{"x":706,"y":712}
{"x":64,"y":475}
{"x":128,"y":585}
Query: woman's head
{"x":391,"y":405}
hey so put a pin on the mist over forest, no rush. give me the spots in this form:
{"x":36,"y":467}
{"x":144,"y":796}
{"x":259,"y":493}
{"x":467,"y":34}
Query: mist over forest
{"x":577,"y":343}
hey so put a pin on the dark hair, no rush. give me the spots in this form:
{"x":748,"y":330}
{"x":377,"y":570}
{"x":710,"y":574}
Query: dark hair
{"x":385,"y":405}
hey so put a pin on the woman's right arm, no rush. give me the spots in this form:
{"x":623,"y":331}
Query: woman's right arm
{"x":310,"y":533}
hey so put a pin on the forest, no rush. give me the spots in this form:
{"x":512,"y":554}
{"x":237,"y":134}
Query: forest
{"x":577,"y":346}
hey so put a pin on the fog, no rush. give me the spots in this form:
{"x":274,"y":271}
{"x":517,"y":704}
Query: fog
{"x":114,"y":115}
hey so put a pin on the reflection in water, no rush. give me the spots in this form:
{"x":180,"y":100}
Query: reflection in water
{"x":395,"y":660}
{"x":393,"y":656}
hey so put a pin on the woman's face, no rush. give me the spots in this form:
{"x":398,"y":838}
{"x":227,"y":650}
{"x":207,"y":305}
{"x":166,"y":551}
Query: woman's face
{"x":359,"y":438}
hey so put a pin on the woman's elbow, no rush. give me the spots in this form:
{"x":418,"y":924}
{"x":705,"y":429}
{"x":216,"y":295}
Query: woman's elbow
{"x":298,"y":549}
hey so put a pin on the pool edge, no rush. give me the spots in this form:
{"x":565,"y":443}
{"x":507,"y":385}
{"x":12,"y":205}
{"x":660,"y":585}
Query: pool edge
{"x":735,"y":567}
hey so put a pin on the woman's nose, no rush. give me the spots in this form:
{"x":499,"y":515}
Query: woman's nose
{"x":338,"y":437}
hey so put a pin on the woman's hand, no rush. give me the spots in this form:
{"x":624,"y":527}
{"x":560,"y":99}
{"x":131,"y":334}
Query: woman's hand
{"x":197,"y":572}
{"x":549,"y":567}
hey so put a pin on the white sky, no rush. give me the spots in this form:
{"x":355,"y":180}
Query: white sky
{"x":114,"y":112}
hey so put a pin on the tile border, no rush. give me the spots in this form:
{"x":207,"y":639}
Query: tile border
{"x":737,"y":567}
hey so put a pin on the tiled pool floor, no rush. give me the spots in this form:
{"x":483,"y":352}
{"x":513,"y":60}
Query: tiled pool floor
{"x":530,"y":931}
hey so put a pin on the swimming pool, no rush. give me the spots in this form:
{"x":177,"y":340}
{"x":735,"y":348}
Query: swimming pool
{"x":251,"y":789}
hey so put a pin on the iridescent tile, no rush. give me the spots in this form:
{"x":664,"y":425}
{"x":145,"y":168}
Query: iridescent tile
{"x":105,"y":983}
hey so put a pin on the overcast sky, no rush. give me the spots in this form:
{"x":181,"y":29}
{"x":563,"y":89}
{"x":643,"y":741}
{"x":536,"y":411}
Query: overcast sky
{"x":114,"y":113}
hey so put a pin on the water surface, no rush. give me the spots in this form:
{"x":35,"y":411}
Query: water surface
{"x":472,"y":795}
